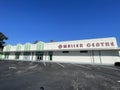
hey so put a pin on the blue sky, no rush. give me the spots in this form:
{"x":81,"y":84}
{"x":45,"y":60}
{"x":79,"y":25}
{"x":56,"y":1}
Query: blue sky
{"x":29,"y":20}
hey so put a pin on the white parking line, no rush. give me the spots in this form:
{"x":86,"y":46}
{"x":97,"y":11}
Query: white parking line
{"x":118,"y":81}
{"x":82,"y":66}
{"x":12,"y":67}
{"x":113,"y":68}
{"x":61,"y":65}
{"x":44,"y":63}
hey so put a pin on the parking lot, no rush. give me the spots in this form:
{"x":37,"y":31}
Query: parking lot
{"x":26,"y":75}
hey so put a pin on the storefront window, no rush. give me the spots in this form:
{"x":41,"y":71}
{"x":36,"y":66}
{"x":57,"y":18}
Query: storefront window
{"x":65,"y":52}
{"x":39,"y":55}
{"x":17,"y":55}
{"x":83,"y":51}
{"x":27,"y":55}
{"x":6,"y":55}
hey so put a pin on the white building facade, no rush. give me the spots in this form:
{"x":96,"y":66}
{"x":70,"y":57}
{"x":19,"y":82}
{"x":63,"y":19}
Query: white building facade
{"x":91,"y":51}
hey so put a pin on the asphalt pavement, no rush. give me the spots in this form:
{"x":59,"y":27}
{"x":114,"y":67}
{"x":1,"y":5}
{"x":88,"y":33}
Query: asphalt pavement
{"x":26,"y":75}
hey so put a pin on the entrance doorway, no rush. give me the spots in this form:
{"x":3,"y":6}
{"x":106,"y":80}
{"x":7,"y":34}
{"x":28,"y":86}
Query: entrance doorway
{"x":97,"y":57}
{"x":17,"y":55}
{"x":50,"y":55}
{"x":39,"y":56}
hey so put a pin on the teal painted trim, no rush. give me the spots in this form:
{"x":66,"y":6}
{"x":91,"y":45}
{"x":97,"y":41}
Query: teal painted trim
{"x":18,"y":48}
{"x":27,"y":46}
{"x":40,"y":46}
{"x":8,"y":47}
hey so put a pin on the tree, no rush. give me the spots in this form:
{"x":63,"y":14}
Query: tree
{"x":36,"y":41}
{"x":2,"y":38}
{"x":52,"y":40}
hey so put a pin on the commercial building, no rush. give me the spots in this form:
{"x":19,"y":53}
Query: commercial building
{"x":92,"y":51}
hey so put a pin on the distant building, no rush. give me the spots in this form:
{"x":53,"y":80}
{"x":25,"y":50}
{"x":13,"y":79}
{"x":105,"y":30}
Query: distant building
{"x":92,"y":51}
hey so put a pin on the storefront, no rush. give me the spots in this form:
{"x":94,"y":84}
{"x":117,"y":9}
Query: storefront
{"x":93,"y":51}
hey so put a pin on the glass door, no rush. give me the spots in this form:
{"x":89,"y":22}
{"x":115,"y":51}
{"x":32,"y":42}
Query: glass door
{"x":39,"y":56}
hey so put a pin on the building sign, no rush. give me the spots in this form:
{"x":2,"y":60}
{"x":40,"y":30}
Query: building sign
{"x":87,"y":45}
